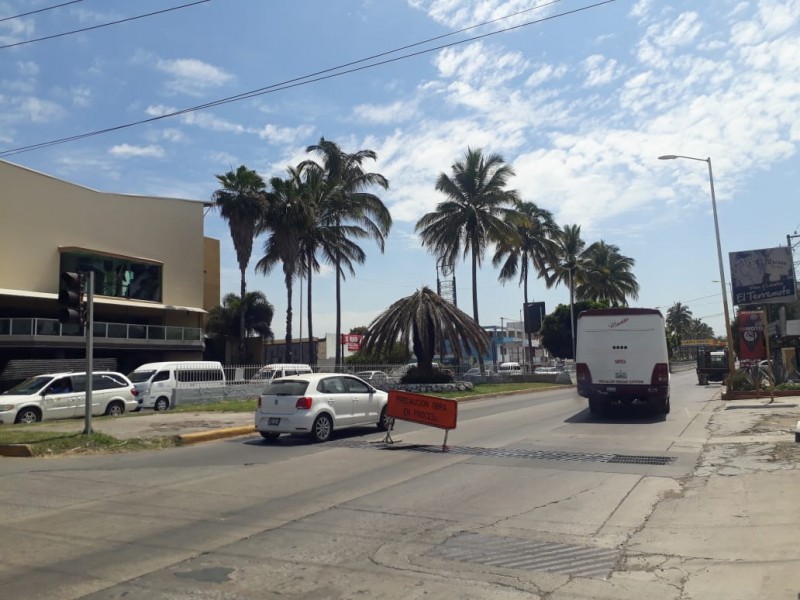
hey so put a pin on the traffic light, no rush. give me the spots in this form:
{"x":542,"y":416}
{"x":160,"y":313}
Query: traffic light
{"x":70,"y":297}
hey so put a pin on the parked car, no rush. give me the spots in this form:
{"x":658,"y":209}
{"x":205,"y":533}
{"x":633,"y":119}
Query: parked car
{"x":374,"y":377}
{"x":316,"y":404}
{"x":269,"y":372}
{"x":63,"y":396}
{"x":157,"y":382}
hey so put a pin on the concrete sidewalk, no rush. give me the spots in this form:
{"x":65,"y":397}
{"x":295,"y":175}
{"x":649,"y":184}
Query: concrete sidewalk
{"x":732,"y":530}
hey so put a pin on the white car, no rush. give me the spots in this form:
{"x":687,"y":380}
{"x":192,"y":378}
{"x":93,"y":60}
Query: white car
{"x":316,"y":404}
{"x":63,"y":396}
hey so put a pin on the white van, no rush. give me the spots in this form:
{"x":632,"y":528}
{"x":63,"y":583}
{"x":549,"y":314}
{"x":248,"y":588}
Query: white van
{"x":269,"y":372}
{"x":157,"y":382}
{"x":509,"y":368}
{"x":622,"y":358}
{"x":63,"y":396}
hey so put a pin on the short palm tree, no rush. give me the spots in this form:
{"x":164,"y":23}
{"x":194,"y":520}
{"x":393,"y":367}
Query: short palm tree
{"x":258,"y":311}
{"x":431,"y":324}
{"x":607,"y":276}
{"x":478,"y":211}
{"x":679,"y":319}
{"x":241,"y":202}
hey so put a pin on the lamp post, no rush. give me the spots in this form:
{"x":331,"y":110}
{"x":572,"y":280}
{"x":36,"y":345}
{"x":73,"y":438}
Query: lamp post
{"x":723,"y":285}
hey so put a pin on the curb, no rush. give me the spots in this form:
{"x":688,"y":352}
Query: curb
{"x":16,"y":450}
{"x":215,"y":434}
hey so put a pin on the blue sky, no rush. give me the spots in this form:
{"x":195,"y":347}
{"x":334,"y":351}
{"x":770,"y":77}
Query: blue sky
{"x":581,"y":105}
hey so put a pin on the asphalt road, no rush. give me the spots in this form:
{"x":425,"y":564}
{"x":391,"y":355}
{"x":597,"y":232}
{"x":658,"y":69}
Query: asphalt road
{"x":535,"y":497}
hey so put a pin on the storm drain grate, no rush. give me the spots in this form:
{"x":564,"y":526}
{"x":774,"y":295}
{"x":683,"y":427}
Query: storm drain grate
{"x":531,"y":555}
{"x":610,"y":457}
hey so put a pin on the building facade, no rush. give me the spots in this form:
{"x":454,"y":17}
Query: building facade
{"x":156,"y":275}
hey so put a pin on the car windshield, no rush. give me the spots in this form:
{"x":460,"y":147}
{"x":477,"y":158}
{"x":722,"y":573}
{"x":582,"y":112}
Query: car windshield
{"x":286,"y":387}
{"x":29,"y":386}
{"x":140,"y":376}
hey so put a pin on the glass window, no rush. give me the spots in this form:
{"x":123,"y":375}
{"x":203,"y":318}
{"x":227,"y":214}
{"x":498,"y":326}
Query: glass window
{"x":332,"y":385}
{"x":79,"y":383}
{"x":117,"y":276}
{"x":161,"y":376}
{"x":355,"y":386}
{"x":140,"y":376}
{"x":286,"y":387}
{"x":106,"y":382}
{"x":62,"y":385}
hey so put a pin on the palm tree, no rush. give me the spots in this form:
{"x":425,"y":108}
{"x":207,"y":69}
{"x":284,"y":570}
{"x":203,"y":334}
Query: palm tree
{"x":258,"y":311}
{"x":568,"y":266}
{"x":288,"y":217}
{"x":698,"y":330}
{"x":607,"y":275}
{"x":537,"y":232}
{"x":241,"y":202}
{"x":433,"y":326}
{"x":478,"y":212}
{"x":350,"y":210}
{"x":679,"y":319}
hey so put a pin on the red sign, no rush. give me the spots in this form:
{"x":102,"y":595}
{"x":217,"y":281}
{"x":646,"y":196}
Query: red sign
{"x":426,"y":410}
{"x":752,"y":345}
{"x":353,"y":341}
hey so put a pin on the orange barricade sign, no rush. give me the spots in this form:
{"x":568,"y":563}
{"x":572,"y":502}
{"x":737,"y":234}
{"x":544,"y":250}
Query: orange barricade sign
{"x":426,"y":410}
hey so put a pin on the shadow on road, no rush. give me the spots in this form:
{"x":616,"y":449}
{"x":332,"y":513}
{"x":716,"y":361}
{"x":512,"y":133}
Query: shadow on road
{"x":635,"y":415}
{"x":298,"y":439}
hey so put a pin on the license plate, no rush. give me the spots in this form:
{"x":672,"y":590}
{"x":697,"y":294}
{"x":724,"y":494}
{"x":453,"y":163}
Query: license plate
{"x":610,"y":388}
{"x":274,"y":421}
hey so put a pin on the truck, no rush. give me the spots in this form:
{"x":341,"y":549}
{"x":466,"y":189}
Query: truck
{"x":712,"y":365}
{"x":622,"y":359}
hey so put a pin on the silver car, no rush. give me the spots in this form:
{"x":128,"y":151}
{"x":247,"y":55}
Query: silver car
{"x":316,"y":404}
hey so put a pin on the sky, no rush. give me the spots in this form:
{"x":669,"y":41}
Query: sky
{"x":580,"y":97}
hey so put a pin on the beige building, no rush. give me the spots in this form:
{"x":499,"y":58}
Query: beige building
{"x":156,"y":275}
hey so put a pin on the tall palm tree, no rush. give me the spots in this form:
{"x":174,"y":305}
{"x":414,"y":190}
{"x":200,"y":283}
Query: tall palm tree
{"x":351,"y":209}
{"x":288,"y":217}
{"x":537,"y":231}
{"x":608,"y":276}
{"x":242,"y":203}
{"x":478,"y":211}
{"x":568,"y":267}
{"x":679,"y":318}
{"x":430,"y":323}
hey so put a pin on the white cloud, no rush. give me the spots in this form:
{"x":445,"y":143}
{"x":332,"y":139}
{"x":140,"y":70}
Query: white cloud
{"x":16,"y":30}
{"x":600,"y":70}
{"x":81,"y":96}
{"x":128,"y":150}
{"x":192,"y":76}
{"x":546,"y":73}
{"x":39,"y":110}
{"x":395,"y":112}
{"x":285,"y":135}
{"x":458,"y":14}
{"x":28,"y":68}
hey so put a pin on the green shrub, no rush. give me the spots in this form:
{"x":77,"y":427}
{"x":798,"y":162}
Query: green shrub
{"x":788,"y":386}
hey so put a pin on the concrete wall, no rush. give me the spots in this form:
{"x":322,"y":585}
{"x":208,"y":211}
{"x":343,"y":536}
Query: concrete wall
{"x":39,"y":214}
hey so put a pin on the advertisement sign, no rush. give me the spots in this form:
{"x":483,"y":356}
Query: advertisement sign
{"x":762,"y":276}
{"x":426,"y":410}
{"x":752,"y":345}
{"x":534,"y":315}
{"x":353,"y":341}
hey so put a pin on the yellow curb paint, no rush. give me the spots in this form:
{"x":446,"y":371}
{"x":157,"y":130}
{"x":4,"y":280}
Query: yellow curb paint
{"x":216,"y":434}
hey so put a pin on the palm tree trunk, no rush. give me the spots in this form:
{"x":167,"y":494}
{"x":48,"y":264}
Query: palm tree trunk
{"x":525,"y":308}
{"x":312,"y":356}
{"x":572,"y":313}
{"x":338,"y":338}
{"x":475,"y":302}
{"x":287,"y":353}
{"x":242,"y":305}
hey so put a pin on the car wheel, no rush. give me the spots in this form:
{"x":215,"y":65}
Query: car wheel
{"x":161,"y":404}
{"x":28,"y":415}
{"x":665,"y":407}
{"x":385,"y":423}
{"x":322,"y":429}
{"x":269,"y":436}
{"x":115,"y":409}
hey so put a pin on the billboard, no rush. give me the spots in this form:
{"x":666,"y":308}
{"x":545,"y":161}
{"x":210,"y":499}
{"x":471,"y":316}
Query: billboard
{"x":534,"y":315}
{"x":752,"y":344}
{"x":762,"y":276}
{"x":353,"y":341}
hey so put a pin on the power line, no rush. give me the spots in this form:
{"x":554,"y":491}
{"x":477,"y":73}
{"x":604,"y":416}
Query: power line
{"x":33,"y":12}
{"x":109,"y":24}
{"x":304,"y":80}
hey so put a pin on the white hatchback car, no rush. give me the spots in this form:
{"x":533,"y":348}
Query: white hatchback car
{"x":63,"y":396}
{"x":317,"y":403}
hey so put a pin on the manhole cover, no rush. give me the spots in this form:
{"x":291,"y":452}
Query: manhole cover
{"x":531,"y":555}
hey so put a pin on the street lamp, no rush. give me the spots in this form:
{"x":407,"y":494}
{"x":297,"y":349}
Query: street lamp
{"x":731,"y":357}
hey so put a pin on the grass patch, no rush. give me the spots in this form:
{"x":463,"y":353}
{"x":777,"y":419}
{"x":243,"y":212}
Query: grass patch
{"x":493,"y":388}
{"x":244,"y":405}
{"x":52,"y":443}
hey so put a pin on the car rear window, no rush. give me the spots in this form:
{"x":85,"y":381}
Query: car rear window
{"x":286,"y":387}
